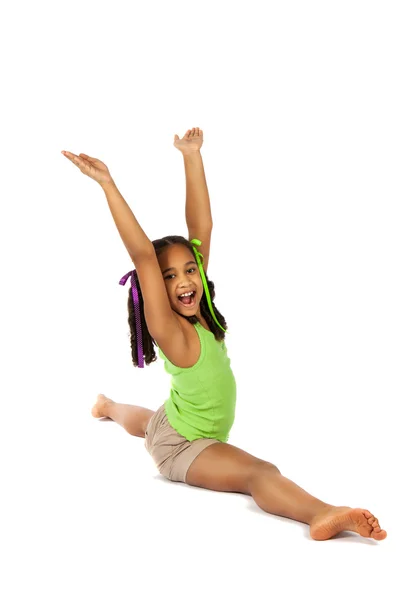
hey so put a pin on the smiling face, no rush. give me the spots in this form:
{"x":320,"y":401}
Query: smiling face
{"x":181,"y":274}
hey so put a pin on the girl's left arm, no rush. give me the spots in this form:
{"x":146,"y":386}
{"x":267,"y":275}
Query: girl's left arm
{"x":197,"y":207}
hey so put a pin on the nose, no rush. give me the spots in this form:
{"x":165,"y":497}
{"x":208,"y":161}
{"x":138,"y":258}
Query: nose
{"x":186,"y":284}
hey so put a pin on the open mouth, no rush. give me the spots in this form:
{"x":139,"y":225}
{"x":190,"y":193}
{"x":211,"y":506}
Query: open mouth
{"x":188,"y":301}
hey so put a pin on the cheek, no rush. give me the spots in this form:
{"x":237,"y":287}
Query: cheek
{"x":170,"y":293}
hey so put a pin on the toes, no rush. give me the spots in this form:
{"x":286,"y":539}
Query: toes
{"x":371,"y":519}
{"x":369,"y":526}
{"x":373,"y":522}
{"x":379,"y":535}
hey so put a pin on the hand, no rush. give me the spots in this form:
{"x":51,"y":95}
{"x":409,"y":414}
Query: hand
{"x":92,"y":167}
{"x":191,"y":141}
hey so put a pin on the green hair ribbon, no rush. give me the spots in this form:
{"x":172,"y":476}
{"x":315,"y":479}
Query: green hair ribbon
{"x":196,"y":242}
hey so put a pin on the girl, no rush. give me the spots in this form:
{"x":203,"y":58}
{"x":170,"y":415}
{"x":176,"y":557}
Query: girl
{"x":170,"y":304}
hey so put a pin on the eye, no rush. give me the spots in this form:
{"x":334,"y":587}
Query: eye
{"x":169,"y":276}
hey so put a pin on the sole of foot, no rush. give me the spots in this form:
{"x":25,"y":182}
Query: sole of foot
{"x":344,"y":518}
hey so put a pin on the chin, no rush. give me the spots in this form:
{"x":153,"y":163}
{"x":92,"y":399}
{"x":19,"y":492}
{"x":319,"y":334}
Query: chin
{"x":191,"y":312}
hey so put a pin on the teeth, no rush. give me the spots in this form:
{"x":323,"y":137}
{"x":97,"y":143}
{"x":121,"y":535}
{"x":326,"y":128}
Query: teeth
{"x":187,"y":294}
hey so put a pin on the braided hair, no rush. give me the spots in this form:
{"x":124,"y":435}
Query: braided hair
{"x":148,"y":342}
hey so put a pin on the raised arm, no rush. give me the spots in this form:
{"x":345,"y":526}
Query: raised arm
{"x":160,"y":319}
{"x":134,"y":238}
{"x":197,"y":208}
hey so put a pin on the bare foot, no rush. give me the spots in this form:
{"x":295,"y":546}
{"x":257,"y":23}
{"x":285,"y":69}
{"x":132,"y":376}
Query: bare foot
{"x":100,"y":407}
{"x":344,"y":518}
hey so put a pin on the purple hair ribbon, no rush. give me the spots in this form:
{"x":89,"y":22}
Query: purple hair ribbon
{"x":136,"y":304}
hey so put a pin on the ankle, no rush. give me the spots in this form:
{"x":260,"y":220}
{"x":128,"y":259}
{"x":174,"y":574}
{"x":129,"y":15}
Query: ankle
{"x":321,"y":511}
{"x":107,"y":406}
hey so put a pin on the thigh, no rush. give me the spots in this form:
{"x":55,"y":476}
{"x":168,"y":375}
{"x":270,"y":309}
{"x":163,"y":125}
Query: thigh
{"x":224,"y":468}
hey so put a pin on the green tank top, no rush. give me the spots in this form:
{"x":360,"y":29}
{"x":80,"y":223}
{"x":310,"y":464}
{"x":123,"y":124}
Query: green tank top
{"x":203,"y":397}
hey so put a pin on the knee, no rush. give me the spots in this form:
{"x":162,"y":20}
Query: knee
{"x":271,"y":467}
{"x":264,"y":468}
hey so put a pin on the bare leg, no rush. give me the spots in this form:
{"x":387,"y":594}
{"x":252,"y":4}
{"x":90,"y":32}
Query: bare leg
{"x":226,"y":468}
{"x":134,"y":419}
{"x":278,"y":495}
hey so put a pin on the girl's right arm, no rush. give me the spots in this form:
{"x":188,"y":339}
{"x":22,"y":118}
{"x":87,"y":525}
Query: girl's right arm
{"x":134,"y":238}
{"x":162,"y":322}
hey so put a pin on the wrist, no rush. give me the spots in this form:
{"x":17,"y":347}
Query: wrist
{"x":192,"y":158}
{"x":106,"y":185}
{"x":191,"y":153}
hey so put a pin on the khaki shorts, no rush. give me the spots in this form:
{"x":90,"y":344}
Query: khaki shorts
{"x":172,"y":453}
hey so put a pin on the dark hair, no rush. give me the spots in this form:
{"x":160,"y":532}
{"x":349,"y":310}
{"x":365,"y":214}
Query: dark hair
{"x":148,"y":341}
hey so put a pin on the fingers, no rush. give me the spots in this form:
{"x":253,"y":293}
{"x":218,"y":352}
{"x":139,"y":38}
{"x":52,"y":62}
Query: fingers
{"x":195,"y":131}
{"x":91,"y":158}
{"x":69,"y":155}
{"x":81,"y":156}
{"x":81,"y":163}
{"x":73,"y":157}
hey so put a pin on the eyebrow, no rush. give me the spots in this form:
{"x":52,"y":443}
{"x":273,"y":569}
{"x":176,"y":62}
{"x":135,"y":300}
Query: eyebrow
{"x":190,"y":262}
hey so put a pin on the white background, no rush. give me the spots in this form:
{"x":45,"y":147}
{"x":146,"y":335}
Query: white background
{"x":309,"y":129}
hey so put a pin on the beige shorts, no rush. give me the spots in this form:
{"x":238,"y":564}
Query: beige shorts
{"x":172,"y":453}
